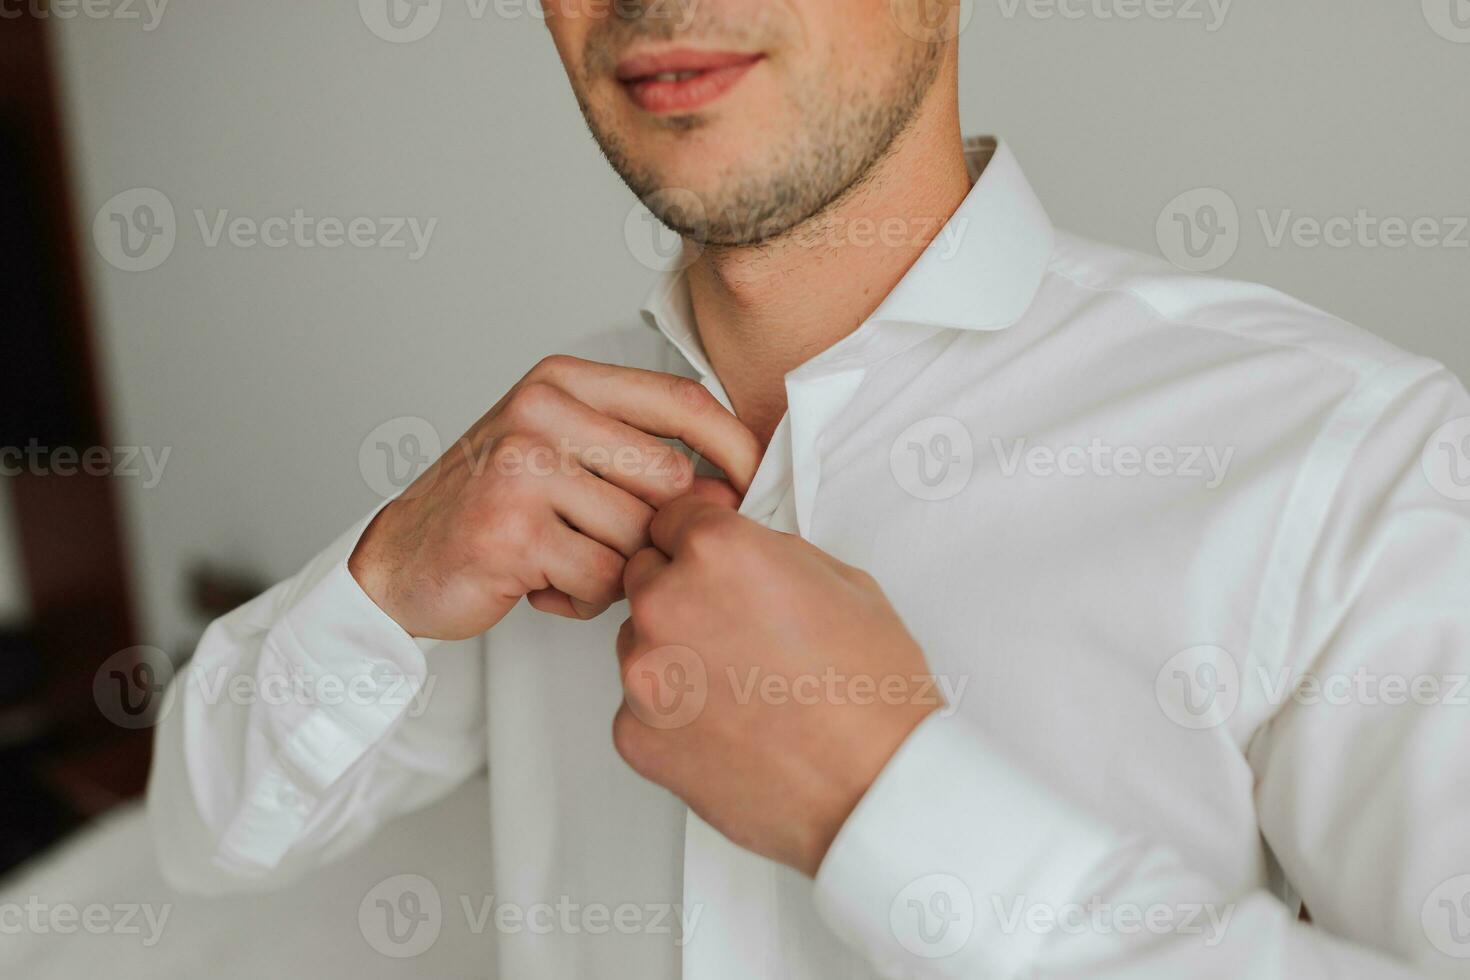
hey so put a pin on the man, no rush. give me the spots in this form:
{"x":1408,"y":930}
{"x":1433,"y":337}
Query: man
{"x":1059,"y":613}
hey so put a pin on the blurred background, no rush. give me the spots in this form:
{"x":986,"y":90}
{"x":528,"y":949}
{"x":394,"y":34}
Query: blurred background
{"x":258,"y":255}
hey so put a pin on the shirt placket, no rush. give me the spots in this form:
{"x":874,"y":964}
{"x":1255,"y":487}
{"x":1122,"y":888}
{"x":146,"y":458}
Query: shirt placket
{"x":739,"y":894}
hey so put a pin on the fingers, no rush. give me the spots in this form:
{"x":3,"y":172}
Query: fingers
{"x":602,"y":511}
{"x":580,"y":586}
{"x":716,"y":492}
{"x":627,"y":644}
{"x":673,"y":526}
{"x":558,"y":603}
{"x":642,"y":568}
{"x":663,"y":405}
{"x":588,"y":572}
{"x":575,"y":435}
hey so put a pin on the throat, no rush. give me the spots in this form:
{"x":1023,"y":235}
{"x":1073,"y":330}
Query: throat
{"x":761,"y":408}
{"x":762,"y":311}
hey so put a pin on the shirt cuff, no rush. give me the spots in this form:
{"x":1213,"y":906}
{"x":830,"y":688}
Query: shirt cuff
{"x":336,"y":674}
{"x":927,"y":875}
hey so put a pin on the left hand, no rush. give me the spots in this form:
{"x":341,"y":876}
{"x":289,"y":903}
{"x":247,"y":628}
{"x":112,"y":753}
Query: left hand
{"x":765,"y":683}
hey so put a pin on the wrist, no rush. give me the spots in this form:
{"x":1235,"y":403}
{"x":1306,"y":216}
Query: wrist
{"x":873,"y":747}
{"x":371,"y":572}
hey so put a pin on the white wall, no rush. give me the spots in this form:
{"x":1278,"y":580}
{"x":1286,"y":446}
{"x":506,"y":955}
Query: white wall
{"x":263,"y":370}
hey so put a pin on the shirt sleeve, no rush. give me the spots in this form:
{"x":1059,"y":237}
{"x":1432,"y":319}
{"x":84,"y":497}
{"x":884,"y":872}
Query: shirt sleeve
{"x":306,"y":719}
{"x":959,"y":863}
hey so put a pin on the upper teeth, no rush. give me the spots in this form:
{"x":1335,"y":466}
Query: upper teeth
{"x":674,"y":76}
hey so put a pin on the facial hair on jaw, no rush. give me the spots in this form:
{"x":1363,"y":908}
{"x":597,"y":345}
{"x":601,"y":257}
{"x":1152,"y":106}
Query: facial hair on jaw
{"x":842,"y":134}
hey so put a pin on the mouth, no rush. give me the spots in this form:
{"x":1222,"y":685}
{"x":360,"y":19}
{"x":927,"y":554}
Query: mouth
{"x":673,"y":82}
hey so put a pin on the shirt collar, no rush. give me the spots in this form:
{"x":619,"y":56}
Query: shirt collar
{"x":981,"y":273}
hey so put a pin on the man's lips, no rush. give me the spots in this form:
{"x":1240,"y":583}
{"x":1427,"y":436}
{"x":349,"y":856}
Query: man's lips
{"x":682,"y":81}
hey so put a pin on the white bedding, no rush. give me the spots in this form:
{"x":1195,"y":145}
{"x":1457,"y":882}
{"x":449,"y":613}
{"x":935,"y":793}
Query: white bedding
{"x":311,"y":930}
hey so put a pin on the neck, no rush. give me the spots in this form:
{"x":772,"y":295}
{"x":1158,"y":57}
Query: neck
{"x":764,"y":310}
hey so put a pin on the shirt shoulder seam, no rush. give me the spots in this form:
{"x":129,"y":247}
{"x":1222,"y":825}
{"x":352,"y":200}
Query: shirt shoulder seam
{"x":1362,"y":367}
{"x":1314,"y":493}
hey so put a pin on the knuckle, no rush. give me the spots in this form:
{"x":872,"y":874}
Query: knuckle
{"x":514,"y":443}
{"x":689,"y":395}
{"x":516,"y":532}
{"x":552,"y":367}
{"x":587,"y":613}
{"x":512,"y":454}
{"x":677,"y":468}
{"x":533,"y":402}
{"x":609,"y":580}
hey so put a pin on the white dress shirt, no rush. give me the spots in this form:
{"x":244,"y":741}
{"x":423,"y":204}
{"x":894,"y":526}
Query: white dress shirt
{"x":1191,"y":558}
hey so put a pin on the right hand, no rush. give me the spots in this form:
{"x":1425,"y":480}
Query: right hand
{"x":547,"y":496}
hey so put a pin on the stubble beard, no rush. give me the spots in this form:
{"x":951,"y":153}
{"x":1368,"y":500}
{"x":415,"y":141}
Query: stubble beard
{"x":841,"y":138}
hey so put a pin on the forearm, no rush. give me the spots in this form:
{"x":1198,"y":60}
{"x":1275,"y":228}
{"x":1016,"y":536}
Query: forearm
{"x":959,"y":864}
{"x":305,"y":720}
